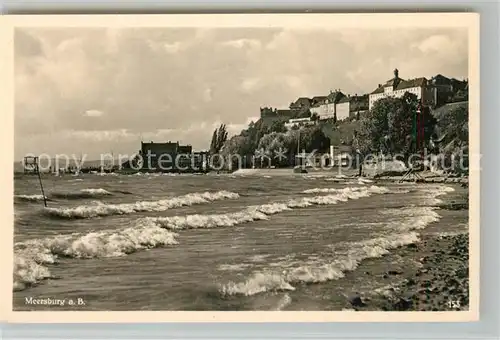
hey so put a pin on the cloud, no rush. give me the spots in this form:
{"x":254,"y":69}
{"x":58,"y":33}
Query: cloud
{"x":172,"y":48}
{"x":243,"y":43}
{"x":250,"y":84}
{"x":176,"y":83}
{"x":93,"y":113}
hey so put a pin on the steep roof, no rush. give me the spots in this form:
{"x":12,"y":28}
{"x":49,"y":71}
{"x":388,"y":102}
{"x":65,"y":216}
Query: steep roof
{"x":439,"y":79}
{"x":345,"y":99}
{"x":318,"y":100}
{"x":402,"y":84}
{"x":363,"y":97}
{"x":412,"y":83}
{"x":302,"y":101}
{"x":335,"y":97}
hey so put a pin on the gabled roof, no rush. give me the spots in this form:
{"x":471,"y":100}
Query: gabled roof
{"x":379,"y":89}
{"x":335,"y":97}
{"x":412,"y":83}
{"x":345,"y":99}
{"x":318,"y":100}
{"x":393,"y":82}
{"x":363,"y":97}
{"x":403,"y":84}
{"x":302,"y":100}
{"x":439,"y":79}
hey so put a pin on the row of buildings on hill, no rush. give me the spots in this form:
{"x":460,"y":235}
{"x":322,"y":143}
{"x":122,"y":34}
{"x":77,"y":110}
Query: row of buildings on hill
{"x":336,"y":105}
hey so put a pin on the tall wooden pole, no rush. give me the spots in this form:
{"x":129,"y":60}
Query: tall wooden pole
{"x":40,"y":181}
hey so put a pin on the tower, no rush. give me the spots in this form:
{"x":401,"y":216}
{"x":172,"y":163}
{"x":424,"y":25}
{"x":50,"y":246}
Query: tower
{"x":396,"y":73}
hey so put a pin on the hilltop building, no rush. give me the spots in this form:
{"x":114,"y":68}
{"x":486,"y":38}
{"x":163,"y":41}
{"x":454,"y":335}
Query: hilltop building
{"x":449,"y":90}
{"x":299,"y":122}
{"x":396,"y":87}
{"x":326,"y":106}
{"x":301,"y":104}
{"x":352,"y":107}
{"x":276,"y":114}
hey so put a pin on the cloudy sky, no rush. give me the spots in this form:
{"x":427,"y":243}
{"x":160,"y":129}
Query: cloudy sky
{"x":99,"y":90}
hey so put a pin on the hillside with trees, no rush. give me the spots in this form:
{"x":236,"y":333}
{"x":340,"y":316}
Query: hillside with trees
{"x":389,"y":128}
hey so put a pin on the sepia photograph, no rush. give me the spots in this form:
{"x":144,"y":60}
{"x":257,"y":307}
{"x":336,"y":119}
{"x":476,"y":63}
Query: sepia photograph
{"x":275,"y":166}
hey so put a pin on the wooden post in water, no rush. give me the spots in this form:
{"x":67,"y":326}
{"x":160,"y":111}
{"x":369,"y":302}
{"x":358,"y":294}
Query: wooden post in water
{"x":41,"y":186}
{"x":31,"y":165}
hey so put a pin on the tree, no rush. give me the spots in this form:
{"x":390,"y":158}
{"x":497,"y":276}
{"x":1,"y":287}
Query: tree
{"x":278,"y":126}
{"x":314,"y":138}
{"x":455,"y":124}
{"x":304,"y":113}
{"x":219,"y":137}
{"x":272,"y":145}
{"x":315,"y":117}
{"x":391,"y":126}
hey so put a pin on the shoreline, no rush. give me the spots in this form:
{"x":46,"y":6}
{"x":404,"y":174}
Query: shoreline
{"x":440,"y":280}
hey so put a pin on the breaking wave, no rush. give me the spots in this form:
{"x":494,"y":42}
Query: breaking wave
{"x":372,"y":189}
{"x":29,"y":269}
{"x":84,"y":193}
{"x":412,"y":218}
{"x":102,"y":209}
{"x":30,"y":257}
{"x":435,"y":192}
{"x":257,"y":213}
{"x":285,"y":301}
{"x":402,"y":233}
{"x":30,"y":198}
{"x":261,"y":282}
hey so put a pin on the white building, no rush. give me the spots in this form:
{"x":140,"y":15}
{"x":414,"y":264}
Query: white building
{"x":326,"y":107}
{"x":397,"y":87}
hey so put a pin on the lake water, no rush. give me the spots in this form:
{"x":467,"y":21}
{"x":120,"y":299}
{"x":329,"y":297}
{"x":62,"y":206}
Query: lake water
{"x":210,"y":242}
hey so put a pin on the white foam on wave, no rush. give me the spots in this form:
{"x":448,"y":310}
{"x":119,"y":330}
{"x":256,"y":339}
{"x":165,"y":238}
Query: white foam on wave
{"x":372,"y":189}
{"x":284,"y":302}
{"x":259,"y":283}
{"x":414,"y":218}
{"x":318,"y":272}
{"x":233,"y":267}
{"x":28,"y":267}
{"x":83,"y":193}
{"x":257,"y":213}
{"x":31,"y":257}
{"x":434,"y":192}
{"x":97,"y":192}
{"x":30,"y":198}
{"x":402,"y":233}
{"x":102,"y":209}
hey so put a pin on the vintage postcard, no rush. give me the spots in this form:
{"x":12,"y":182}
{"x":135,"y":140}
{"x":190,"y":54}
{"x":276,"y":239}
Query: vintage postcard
{"x":241,"y":167}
